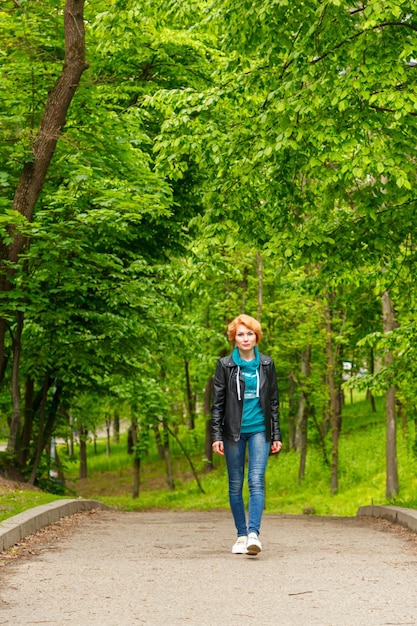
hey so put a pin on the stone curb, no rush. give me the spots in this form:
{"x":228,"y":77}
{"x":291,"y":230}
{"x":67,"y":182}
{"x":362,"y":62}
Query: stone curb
{"x":16,"y":528}
{"x":394,"y":514}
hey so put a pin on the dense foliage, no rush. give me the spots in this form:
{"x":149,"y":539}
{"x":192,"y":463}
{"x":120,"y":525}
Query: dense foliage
{"x":216,"y":157}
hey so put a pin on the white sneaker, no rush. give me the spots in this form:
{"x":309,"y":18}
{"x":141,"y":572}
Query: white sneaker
{"x":253,"y":545}
{"x":239,"y":547}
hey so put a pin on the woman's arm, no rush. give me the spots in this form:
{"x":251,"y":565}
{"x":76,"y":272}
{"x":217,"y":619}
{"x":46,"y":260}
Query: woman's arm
{"x":217,"y":409}
{"x":274,"y":404}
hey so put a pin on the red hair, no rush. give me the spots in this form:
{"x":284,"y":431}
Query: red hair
{"x":249,"y":322}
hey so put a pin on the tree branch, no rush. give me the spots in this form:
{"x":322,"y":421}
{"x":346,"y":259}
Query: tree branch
{"x":362,"y":32}
{"x":385,"y":110}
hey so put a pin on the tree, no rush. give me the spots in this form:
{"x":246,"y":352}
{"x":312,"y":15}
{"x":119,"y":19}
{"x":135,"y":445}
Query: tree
{"x":40,"y":150}
{"x":218,"y":157}
{"x":104,"y":222}
{"x":392,"y":486}
{"x":305,"y":138}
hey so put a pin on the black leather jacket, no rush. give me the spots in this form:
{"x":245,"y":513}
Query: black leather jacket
{"x":226,"y":412}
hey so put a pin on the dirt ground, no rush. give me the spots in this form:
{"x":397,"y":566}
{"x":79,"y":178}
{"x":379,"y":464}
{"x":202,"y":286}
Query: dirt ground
{"x":7,"y":486}
{"x":110,"y":568}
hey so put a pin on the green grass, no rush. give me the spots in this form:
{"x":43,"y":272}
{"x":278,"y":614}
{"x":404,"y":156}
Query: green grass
{"x":21,"y":500}
{"x":361,"y":473}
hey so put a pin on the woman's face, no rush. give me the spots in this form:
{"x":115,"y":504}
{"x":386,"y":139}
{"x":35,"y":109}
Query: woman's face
{"x":245,"y":338}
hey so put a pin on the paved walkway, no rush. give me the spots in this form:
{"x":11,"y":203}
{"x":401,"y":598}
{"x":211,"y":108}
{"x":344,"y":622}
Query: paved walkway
{"x":161,"y":568}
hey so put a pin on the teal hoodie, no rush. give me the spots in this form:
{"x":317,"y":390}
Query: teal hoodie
{"x":253,"y":420}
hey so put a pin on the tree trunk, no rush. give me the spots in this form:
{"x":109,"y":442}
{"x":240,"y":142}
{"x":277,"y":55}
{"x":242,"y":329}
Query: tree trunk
{"x":71,"y":441}
{"x":40,"y":443}
{"x":15,"y":421}
{"x":167,"y":456}
{"x":159,"y":444}
{"x":136,"y":459}
{"x":208,"y":450}
{"x":83,"y":451}
{"x":333,"y":401}
{"x":392,"y":484}
{"x":303,"y":413}
{"x":190,"y":397}
{"x":29,"y":414}
{"x":292,"y":412}
{"x":415,"y":431}
{"x":325,"y":422}
{"x":35,"y":168}
{"x":108,"y":424}
{"x":136,"y":476}
{"x":4,"y":358}
{"x":116,"y":427}
{"x":321,"y":435}
{"x":302,"y":422}
{"x":52,"y":413}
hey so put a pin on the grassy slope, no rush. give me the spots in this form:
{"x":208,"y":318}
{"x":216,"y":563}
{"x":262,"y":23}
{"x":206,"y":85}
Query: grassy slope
{"x":361,"y":474}
{"x":17,"y":497}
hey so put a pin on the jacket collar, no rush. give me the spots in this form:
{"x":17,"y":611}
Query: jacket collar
{"x":229,"y":362}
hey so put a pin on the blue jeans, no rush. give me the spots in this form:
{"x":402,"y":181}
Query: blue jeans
{"x":235,"y":452}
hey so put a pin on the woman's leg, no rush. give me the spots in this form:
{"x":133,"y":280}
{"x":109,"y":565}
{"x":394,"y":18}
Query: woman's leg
{"x":234,"y":452}
{"x":258,"y":449}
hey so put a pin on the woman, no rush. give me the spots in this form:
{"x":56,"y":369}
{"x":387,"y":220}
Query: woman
{"x":245,"y":415}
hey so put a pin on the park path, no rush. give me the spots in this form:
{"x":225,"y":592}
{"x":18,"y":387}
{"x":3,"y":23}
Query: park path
{"x":165,"y":568}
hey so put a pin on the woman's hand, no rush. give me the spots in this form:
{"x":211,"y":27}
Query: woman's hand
{"x":218,"y":447}
{"x":276,"y":447}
